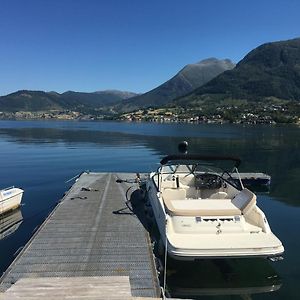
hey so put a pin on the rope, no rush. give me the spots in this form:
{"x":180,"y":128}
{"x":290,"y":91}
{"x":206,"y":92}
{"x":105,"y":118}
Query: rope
{"x":128,"y":198}
{"x":86,"y":171}
{"x":73,"y":177}
{"x":165,"y":265}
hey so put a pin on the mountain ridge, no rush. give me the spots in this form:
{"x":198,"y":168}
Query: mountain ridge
{"x":186,"y":80}
{"x":189,"y":77}
{"x":267,"y":75}
{"x":28,"y":100}
{"x":270,"y":70}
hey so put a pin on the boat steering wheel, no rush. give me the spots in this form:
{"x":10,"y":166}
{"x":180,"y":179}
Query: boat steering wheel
{"x":208,"y":181}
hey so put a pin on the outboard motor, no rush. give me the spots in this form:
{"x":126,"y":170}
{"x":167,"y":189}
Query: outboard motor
{"x":183,"y":147}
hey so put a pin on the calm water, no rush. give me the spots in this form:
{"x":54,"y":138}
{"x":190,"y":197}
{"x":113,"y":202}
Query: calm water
{"x":40,"y":156}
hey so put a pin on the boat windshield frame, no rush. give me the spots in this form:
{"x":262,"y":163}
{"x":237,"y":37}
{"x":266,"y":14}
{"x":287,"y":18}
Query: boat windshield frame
{"x":171,"y":165}
{"x":196,"y":157}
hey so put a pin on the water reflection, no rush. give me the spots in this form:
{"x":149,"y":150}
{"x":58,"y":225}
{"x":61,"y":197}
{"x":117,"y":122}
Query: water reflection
{"x":272,"y":150}
{"x":41,"y":156}
{"x":10,"y":222}
{"x":243,"y":277}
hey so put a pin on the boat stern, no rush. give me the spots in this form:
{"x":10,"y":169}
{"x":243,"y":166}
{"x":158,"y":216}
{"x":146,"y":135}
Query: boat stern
{"x":226,"y":237}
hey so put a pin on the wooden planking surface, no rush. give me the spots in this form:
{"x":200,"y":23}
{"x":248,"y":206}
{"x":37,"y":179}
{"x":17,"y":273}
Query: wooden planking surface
{"x":117,"y":287}
{"x":83,"y":238}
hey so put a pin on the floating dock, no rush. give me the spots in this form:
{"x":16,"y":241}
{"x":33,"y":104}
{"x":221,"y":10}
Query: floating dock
{"x":253,"y":179}
{"x":84,"y":246}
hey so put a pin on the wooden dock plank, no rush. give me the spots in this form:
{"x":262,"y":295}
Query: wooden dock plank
{"x":70,"y":288}
{"x":83,"y":238}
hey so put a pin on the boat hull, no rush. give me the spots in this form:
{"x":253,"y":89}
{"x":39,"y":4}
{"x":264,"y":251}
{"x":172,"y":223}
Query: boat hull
{"x":197,"y":254}
{"x":10,"y":199}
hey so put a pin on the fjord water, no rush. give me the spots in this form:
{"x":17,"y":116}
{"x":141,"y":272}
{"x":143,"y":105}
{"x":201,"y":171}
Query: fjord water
{"x":40,"y":156}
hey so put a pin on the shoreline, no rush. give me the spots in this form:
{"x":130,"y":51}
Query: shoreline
{"x":92,"y":118}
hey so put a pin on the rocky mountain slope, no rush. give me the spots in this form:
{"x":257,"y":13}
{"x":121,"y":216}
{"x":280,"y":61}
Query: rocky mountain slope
{"x":188,"y":79}
{"x":271,"y":71}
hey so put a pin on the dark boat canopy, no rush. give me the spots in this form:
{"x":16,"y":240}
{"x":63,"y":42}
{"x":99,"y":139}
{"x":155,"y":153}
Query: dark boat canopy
{"x":195,"y":157}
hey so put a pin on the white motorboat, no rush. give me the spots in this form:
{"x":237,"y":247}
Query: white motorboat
{"x":201,"y":212}
{"x":10,"y":198}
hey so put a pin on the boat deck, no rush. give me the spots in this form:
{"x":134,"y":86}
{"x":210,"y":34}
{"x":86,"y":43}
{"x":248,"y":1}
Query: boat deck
{"x":84,"y":238}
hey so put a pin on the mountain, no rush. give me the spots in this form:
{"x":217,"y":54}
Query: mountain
{"x":188,"y":79}
{"x":44,"y":101}
{"x":30,"y":101}
{"x":271,"y":70}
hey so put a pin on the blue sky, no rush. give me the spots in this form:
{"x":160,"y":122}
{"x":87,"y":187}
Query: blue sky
{"x":133,"y":45}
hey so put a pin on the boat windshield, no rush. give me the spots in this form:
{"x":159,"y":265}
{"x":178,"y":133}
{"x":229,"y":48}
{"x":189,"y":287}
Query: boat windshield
{"x":192,"y":168}
{"x":223,"y":168}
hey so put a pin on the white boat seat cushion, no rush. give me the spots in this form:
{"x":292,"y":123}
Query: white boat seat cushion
{"x":168,"y":184}
{"x":175,"y":193}
{"x":219,"y":195}
{"x":176,"y":203}
{"x":201,"y":207}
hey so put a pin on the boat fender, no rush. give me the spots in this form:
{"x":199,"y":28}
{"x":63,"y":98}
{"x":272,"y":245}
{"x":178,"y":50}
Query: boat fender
{"x":159,"y":265}
{"x":183,"y":147}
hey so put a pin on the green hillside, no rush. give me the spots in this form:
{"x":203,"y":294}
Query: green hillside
{"x":45,"y":101}
{"x":270,"y":71}
{"x":30,"y":101}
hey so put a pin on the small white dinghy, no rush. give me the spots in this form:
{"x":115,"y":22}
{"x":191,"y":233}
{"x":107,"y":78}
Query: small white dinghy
{"x":10,"y":198}
{"x":202,"y":213}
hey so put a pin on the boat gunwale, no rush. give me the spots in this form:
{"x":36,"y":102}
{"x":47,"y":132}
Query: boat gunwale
{"x":11,"y":196}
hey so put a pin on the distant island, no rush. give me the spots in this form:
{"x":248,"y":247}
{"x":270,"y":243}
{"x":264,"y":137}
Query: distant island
{"x":263,"y":88}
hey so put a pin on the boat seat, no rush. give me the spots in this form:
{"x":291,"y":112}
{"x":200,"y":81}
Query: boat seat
{"x":192,"y":192}
{"x":244,"y":200}
{"x":201,"y":207}
{"x":240,"y":204}
{"x":219,"y":195}
{"x":172,"y":184}
{"x":168,"y":184}
{"x":174,"y":193}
